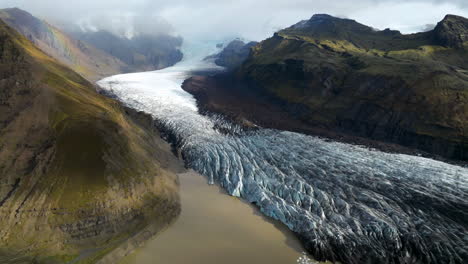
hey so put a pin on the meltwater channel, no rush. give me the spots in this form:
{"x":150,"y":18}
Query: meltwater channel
{"x":345,"y":202}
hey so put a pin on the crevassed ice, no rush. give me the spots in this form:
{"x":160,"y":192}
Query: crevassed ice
{"x":346,"y":202}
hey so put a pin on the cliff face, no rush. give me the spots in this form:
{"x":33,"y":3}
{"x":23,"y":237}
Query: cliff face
{"x":79,"y":174}
{"x":343,"y":76}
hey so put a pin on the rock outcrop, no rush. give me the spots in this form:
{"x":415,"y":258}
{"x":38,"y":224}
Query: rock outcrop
{"x":452,"y":32}
{"x":79,"y":174}
{"x":234,"y":54}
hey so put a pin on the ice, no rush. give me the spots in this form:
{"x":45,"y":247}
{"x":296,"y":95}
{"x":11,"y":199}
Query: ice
{"x":345,"y":202}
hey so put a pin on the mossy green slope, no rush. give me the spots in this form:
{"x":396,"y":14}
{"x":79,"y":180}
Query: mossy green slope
{"x":79,"y":174}
{"x":342,"y":75}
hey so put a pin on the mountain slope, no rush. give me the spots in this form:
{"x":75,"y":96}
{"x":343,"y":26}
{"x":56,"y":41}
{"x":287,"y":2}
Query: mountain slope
{"x":85,"y":59}
{"x":140,"y":53}
{"x":96,"y":55}
{"x":343,"y":76}
{"x":79,"y":173}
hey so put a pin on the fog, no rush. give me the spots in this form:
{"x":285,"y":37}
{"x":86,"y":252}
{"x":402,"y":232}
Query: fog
{"x":222,"y":19}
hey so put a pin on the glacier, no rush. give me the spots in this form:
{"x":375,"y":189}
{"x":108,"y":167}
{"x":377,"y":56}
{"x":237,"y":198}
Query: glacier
{"x":346,"y":203}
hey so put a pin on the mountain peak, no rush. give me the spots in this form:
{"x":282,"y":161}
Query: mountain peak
{"x":320,"y":24}
{"x":321,"y":17}
{"x":17,"y":13}
{"x":325,"y":22}
{"x":14,"y":10}
{"x":23,"y":21}
{"x":327,"y":17}
{"x":450,"y":17}
{"x":452,"y":31}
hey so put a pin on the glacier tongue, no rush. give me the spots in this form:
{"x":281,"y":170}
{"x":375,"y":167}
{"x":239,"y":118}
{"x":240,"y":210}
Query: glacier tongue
{"x":346,"y":202}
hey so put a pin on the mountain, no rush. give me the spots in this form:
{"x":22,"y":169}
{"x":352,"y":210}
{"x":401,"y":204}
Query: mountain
{"x":140,"y":53}
{"x":85,"y":59}
{"x":451,"y":32}
{"x":350,"y":80}
{"x":96,"y":55}
{"x":79,"y":173}
{"x":234,"y":54}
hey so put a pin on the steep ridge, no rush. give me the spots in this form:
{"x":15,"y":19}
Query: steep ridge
{"x":85,"y":59}
{"x":344,"y":78}
{"x":79,"y":173}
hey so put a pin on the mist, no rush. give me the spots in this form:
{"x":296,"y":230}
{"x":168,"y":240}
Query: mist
{"x":224,"y":19}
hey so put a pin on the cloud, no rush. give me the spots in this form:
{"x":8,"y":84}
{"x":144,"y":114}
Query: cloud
{"x":410,"y":17}
{"x":126,"y":24}
{"x":221,"y":19}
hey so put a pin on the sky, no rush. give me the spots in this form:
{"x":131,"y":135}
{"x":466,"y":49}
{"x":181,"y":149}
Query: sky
{"x":223,"y":19}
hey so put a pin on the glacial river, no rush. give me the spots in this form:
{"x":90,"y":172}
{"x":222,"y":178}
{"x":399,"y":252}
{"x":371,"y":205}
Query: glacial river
{"x":347,"y":202}
{"x":214,"y":226}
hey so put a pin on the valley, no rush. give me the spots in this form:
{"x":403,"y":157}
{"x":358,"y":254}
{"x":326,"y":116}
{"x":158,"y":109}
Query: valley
{"x":122,"y":141}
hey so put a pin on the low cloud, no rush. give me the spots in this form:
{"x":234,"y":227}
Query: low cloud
{"x":222,"y":19}
{"x":127,"y":24}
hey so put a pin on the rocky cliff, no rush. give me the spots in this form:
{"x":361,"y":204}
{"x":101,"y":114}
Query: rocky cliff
{"x":79,"y":174}
{"x":343,"y":76}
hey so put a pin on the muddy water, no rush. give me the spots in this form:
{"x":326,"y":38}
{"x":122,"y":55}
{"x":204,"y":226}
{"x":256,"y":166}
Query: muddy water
{"x":215,"y":228}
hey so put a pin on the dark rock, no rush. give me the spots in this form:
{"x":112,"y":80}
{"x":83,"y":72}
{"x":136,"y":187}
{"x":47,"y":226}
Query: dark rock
{"x":452,"y":31}
{"x":234,"y":54}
